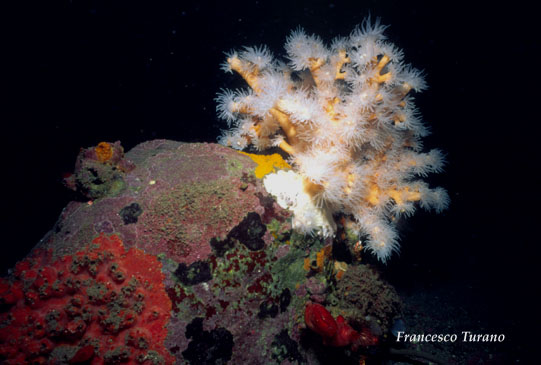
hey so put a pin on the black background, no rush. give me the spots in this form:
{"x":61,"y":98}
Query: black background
{"x":81,"y":72}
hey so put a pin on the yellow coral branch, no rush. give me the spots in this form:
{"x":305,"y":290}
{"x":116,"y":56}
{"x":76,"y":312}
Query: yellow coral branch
{"x":315,"y":65}
{"x":329,"y":109}
{"x":286,"y":125}
{"x":343,"y":60}
{"x":286,"y":147}
{"x":311,"y":188}
{"x":248,"y":72}
{"x":384,"y":60}
{"x":404,"y":194}
{"x":400,"y":196}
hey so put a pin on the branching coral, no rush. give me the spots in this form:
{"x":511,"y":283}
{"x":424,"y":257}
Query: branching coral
{"x":345,"y":116}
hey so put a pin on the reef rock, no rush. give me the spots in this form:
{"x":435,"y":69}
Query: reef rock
{"x":174,"y":202}
{"x":175,"y":253}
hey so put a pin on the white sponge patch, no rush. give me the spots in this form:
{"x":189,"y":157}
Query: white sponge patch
{"x":288,"y":189}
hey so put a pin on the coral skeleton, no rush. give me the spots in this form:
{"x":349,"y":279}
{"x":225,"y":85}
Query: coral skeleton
{"x":345,"y":115}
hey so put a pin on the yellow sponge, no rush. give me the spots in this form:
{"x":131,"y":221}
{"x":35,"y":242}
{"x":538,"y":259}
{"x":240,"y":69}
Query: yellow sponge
{"x":267,"y":163}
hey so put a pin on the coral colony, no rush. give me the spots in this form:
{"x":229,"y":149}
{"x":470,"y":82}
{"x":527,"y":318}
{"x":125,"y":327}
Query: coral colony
{"x":345,"y":115}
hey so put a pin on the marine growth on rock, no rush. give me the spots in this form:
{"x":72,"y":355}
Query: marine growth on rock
{"x":101,"y":305}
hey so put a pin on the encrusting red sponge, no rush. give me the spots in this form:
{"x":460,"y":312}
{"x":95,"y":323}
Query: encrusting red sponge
{"x":337,"y":332}
{"x":101,"y":305}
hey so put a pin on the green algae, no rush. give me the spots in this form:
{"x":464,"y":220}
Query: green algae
{"x":234,"y":167}
{"x":175,"y":215}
